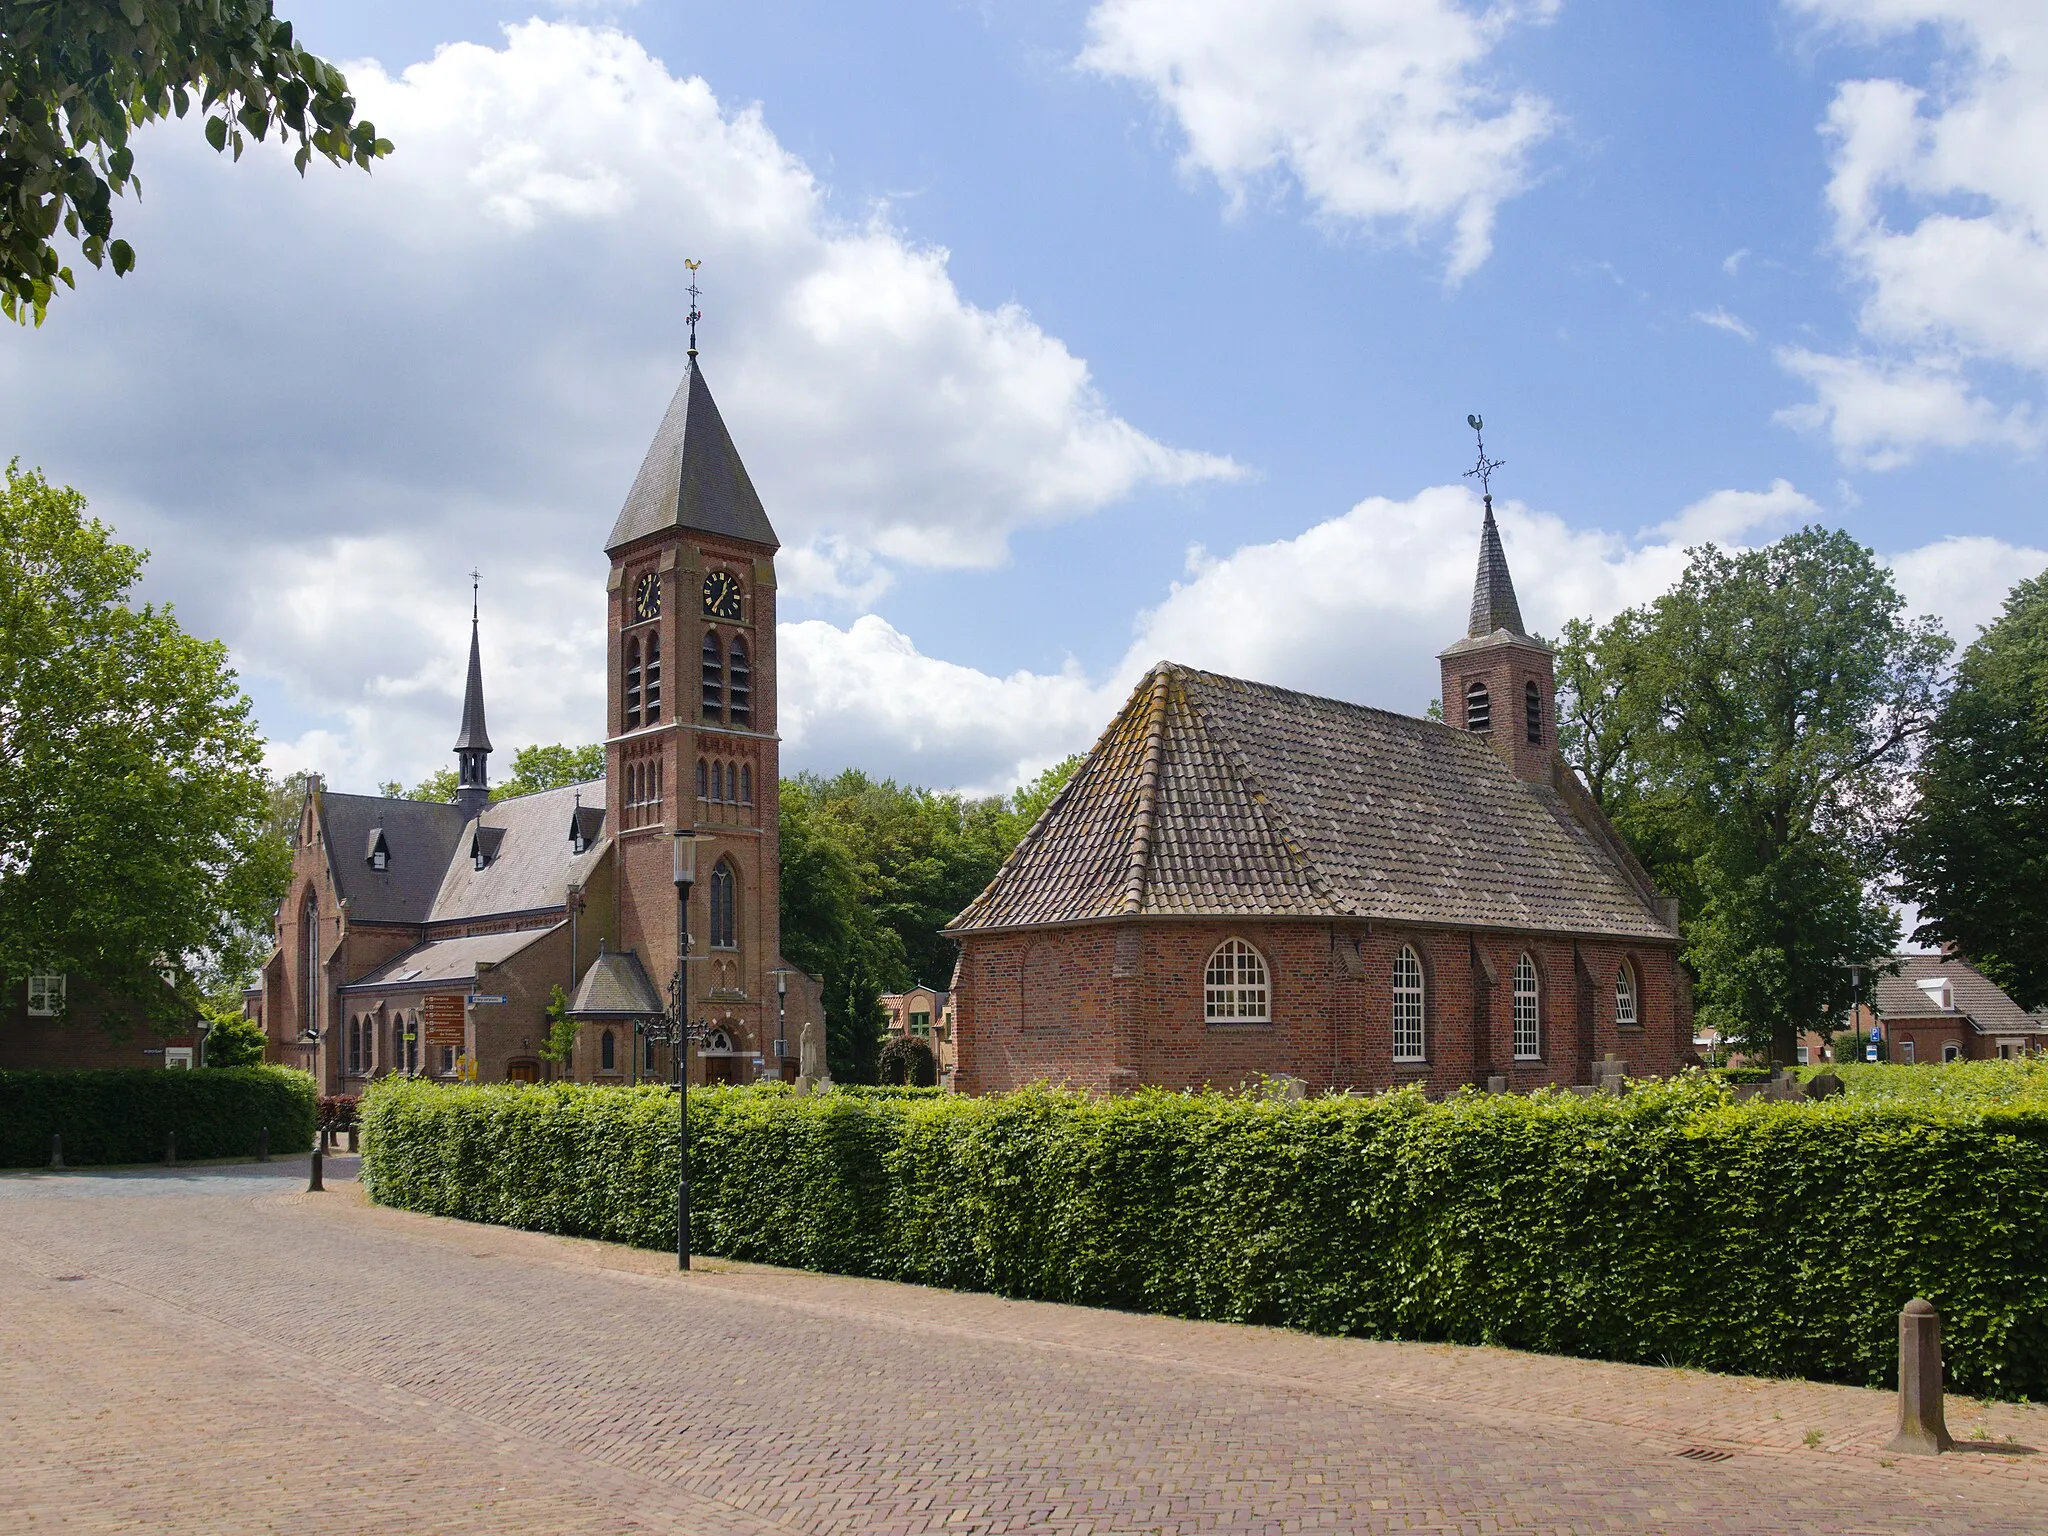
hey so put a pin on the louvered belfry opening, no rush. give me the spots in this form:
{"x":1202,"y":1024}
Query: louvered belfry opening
{"x":739,"y":691}
{"x":714,"y":677}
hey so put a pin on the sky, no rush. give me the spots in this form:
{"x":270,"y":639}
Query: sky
{"x":1060,"y":339}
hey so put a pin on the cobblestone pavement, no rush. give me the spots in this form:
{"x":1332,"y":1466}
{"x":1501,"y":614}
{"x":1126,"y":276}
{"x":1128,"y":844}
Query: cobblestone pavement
{"x":213,"y":1350}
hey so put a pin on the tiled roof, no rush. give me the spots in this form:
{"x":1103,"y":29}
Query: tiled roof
{"x":531,"y":862}
{"x":1976,"y":996}
{"x":445,"y":960}
{"x":1212,"y":796}
{"x":615,"y":986}
{"x":692,"y":476}
{"x":421,"y":836}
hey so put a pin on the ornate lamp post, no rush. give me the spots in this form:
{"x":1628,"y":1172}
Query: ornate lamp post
{"x":674,"y":1029}
{"x":781,"y":975}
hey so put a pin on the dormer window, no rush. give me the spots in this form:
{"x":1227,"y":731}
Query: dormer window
{"x":378,"y":855}
{"x":483,"y":846}
{"x":380,"y":860}
{"x":1478,"y":709}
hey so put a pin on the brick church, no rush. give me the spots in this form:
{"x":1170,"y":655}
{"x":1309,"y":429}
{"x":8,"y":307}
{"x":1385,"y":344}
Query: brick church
{"x":429,"y":937}
{"x":1242,"y":880}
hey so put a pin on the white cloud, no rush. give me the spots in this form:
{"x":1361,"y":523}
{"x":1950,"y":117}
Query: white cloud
{"x":1940,"y":210}
{"x":1378,"y":110}
{"x":1964,"y":579}
{"x":1732,"y":262}
{"x":460,"y":358}
{"x":1721,"y":320}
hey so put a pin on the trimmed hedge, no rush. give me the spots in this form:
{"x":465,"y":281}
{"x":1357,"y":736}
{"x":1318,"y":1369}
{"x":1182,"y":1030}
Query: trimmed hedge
{"x":1671,"y":1226}
{"x":121,"y":1115}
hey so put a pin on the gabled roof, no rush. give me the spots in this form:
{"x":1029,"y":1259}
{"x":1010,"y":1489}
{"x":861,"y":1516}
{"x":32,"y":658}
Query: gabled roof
{"x":445,"y":960}
{"x":531,"y":862}
{"x":1977,"y":998}
{"x":1211,"y":796}
{"x":692,"y":476}
{"x":615,"y":987}
{"x":420,"y":835}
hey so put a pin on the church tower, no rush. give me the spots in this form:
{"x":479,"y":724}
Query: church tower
{"x":1499,"y":681}
{"x":691,"y":735}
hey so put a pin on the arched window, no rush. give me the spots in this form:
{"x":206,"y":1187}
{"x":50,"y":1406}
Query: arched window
{"x":1528,"y":1017}
{"x":714,"y":677}
{"x":739,"y":692}
{"x":746,"y":784}
{"x":607,"y":1052}
{"x":355,"y":1044}
{"x":653,"y":677}
{"x":1408,"y":1039}
{"x":1235,"y":986}
{"x":1625,"y":995}
{"x":724,"y":908}
{"x":309,"y":960}
{"x":1478,"y":708}
{"x":703,"y":780}
{"x":1532,"y":712}
{"x":717,"y":780}
{"x":412,"y":1043}
{"x":647,"y":1053}
{"x":632,"y":683}
{"x":398,"y":1043}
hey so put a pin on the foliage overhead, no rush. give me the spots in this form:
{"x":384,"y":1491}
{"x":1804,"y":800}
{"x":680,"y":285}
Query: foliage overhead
{"x":533,"y":770}
{"x":1974,"y":850}
{"x":135,"y":846}
{"x":77,"y":77}
{"x":1751,"y":733}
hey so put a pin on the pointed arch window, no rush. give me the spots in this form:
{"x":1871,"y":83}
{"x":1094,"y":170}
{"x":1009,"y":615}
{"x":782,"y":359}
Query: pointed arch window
{"x":1625,"y":1010}
{"x":1478,"y":709}
{"x":608,"y":1052}
{"x":724,"y":907}
{"x":309,"y":961}
{"x":717,"y":780}
{"x":653,"y":677}
{"x":398,"y":1043}
{"x":714,"y":677}
{"x":1532,"y":712}
{"x":632,"y":683}
{"x":1528,"y":1011}
{"x":1408,"y":1032}
{"x":746,"y":784}
{"x":355,"y":1045}
{"x":703,"y":780}
{"x":739,"y":691}
{"x":1236,"y":986}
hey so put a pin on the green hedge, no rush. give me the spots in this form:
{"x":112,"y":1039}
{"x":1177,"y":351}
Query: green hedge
{"x":1672,"y":1226}
{"x":122,"y":1115}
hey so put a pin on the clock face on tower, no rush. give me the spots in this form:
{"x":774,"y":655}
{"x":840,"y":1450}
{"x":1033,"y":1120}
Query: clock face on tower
{"x":721,"y":595}
{"x":647,"y":597}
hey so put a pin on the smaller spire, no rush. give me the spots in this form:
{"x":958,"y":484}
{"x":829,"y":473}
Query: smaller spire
{"x":1494,"y":607}
{"x":473,"y":745}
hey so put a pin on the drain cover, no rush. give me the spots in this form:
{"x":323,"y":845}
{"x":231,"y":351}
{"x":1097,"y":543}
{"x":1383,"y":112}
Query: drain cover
{"x":1704,"y":1453}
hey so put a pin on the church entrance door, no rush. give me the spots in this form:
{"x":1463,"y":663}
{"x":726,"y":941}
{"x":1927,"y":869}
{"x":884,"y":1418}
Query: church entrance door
{"x":721,"y":1069}
{"x":525,"y":1071}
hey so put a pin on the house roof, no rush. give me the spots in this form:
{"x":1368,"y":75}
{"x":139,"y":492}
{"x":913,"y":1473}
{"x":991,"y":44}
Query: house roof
{"x":444,"y":960}
{"x":615,"y":986}
{"x":1978,"y":999}
{"x":530,"y":862}
{"x":420,"y":835}
{"x":1211,"y":796}
{"x":692,"y":476}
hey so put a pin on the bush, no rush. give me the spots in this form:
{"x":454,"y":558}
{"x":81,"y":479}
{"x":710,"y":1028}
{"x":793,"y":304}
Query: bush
{"x":908,"y":1062}
{"x":336,"y":1111}
{"x":235,"y":1042}
{"x":1950,"y":1082}
{"x":122,"y":1115}
{"x":1670,"y":1226}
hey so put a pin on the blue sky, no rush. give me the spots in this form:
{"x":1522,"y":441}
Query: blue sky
{"x":1061,"y":338}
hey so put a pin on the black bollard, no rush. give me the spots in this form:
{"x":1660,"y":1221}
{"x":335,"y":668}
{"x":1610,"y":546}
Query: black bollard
{"x":263,"y":1145}
{"x":56,"y":1149}
{"x":314,"y":1183}
{"x":170,"y":1149}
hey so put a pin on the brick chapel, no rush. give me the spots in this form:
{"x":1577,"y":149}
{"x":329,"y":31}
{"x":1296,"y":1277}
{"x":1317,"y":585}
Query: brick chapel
{"x":1244,"y":881}
{"x":429,"y":937}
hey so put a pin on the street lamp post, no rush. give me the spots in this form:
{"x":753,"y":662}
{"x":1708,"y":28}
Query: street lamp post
{"x":684,"y":845}
{"x":781,"y":975}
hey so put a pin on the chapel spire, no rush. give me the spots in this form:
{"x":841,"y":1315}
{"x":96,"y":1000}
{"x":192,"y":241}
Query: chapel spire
{"x":1493,"y":590}
{"x":473,"y":746}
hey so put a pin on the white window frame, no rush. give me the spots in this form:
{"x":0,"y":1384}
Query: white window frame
{"x":1804,"y":1053}
{"x":45,"y":994}
{"x":1627,"y":1007}
{"x":1237,"y":985}
{"x":1528,"y":1009}
{"x":1410,"y":1031}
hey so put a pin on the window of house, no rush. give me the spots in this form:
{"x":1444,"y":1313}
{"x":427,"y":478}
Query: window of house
{"x":1905,"y":1050}
{"x":632,"y":683}
{"x":1478,"y":708}
{"x":653,"y":684}
{"x":746,"y":784}
{"x":447,"y":1061}
{"x":714,"y":677}
{"x":921,"y":1024}
{"x":1236,"y":987}
{"x":1805,"y":1053}
{"x":1408,"y":1041}
{"x":45,"y":995}
{"x":1950,"y":1051}
{"x":1625,"y":995}
{"x":724,"y":916}
{"x":739,"y":692}
{"x":1532,"y":712}
{"x":607,"y":1052}
{"x":1528,"y":1018}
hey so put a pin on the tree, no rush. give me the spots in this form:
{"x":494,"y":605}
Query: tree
{"x":77,"y":77}
{"x":234,"y":1041}
{"x":438,"y":786}
{"x":1974,"y":850}
{"x":555,"y":767}
{"x":908,"y":1061}
{"x":1751,"y":734}
{"x":560,"y":1044}
{"x":136,"y":851}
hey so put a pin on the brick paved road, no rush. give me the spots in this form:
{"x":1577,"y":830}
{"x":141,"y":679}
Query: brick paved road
{"x":213,"y":1351}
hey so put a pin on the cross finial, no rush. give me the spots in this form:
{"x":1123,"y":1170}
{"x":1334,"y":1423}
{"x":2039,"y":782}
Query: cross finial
{"x":695,"y":313}
{"x":475,"y":581}
{"x":1485,"y":467}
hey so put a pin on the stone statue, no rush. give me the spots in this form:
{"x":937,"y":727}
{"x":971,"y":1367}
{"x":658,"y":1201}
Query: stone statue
{"x":811,"y":1070}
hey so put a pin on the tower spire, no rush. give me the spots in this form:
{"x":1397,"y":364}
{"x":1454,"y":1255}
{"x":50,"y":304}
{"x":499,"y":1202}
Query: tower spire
{"x":1494,"y":606}
{"x":473,"y":746}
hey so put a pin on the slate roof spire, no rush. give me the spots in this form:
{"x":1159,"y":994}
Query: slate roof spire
{"x":1493,"y":591}
{"x":473,"y":746}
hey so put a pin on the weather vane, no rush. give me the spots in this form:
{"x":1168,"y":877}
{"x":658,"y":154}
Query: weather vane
{"x":1485,"y":467}
{"x":695,"y":313}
